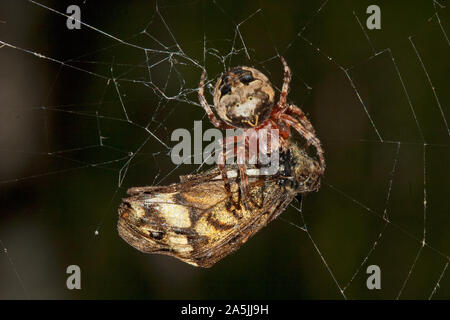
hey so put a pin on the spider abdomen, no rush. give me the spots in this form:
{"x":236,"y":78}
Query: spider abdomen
{"x":243,"y":97}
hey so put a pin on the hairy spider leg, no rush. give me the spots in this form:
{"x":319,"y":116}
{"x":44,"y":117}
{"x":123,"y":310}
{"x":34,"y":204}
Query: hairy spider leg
{"x":282,"y":103}
{"x":294,"y":110}
{"x":240,"y":147}
{"x":221,"y":160}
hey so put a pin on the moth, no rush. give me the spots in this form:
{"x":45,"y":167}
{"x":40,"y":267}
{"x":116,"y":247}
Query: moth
{"x":197,"y":222}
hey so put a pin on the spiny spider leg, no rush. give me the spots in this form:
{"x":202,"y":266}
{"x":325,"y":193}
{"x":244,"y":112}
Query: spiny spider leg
{"x":286,"y":81}
{"x":243,"y":185}
{"x":294,"y":110}
{"x":242,"y":158}
{"x":282,"y":103}
{"x":240,"y":150}
{"x":221,"y":160}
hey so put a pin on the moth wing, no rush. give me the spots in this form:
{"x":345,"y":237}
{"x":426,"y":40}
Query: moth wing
{"x":194,"y":220}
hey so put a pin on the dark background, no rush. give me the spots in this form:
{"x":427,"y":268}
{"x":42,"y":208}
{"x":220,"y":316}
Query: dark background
{"x":65,"y":143}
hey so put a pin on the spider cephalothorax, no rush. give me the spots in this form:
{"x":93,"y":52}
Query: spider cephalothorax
{"x":243,"y":97}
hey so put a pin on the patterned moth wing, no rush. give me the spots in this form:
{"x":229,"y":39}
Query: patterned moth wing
{"x":196,"y":221}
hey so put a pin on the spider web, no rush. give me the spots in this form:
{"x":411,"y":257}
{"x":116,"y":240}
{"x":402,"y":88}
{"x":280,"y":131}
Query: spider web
{"x":88,"y":113}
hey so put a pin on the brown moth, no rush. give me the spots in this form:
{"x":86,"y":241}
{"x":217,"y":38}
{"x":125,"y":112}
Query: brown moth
{"x":197,"y":222}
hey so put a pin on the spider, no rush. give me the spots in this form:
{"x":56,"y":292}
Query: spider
{"x":244,"y":99}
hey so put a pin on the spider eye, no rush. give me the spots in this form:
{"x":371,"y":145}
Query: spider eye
{"x":225,"y":89}
{"x":225,"y":78}
{"x":246,"y":78}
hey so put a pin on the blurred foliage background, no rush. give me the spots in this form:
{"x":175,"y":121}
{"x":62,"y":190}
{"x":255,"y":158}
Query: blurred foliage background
{"x":65,"y":144}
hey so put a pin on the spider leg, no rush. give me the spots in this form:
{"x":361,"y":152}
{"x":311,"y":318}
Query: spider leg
{"x":242,"y":158}
{"x":226,"y":182}
{"x":308,"y":135}
{"x":201,"y":97}
{"x":294,"y":110}
{"x":238,"y":149}
{"x":227,"y":185}
{"x":246,"y":152}
{"x":286,"y":81}
{"x":221,"y":160}
{"x":243,"y":186}
{"x":282,"y":103}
